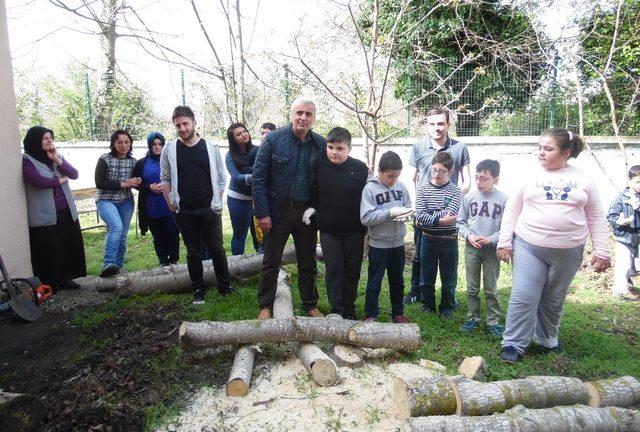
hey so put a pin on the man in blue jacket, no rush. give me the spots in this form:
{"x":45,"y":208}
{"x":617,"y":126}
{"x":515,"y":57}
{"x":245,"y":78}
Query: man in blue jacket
{"x":282,"y":179}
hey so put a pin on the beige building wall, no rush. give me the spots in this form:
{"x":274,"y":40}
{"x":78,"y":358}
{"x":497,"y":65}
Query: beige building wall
{"x":14,"y":232}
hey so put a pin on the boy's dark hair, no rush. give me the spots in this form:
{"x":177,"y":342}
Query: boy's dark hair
{"x":268,"y":125}
{"x":490,"y":165}
{"x":634,"y":171}
{"x":437,"y":111}
{"x":389,"y":161}
{"x":339,"y":134}
{"x":183,"y":111}
{"x":114,"y":138}
{"x":444,"y":158}
{"x":566,"y":140}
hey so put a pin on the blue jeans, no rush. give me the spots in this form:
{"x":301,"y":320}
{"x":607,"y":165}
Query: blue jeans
{"x":117,"y":217}
{"x":438,"y":253}
{"x":392,"y":261}
{"x":241,"y":213}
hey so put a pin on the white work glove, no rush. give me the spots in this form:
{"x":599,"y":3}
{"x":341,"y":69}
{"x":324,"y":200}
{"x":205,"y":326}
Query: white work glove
{"x":399,"y":211}
{"x":306,"y":216}
{"x":624,"y":221}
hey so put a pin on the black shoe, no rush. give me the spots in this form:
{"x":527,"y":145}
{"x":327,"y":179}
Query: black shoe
{"x":428,"y":309}
{"x":540,"y":349}
{"x":448,"y":315}
{"x":198,"y":297}
{"x":226,"y":291}
{"x":411,"y":298}
{"x":510,"y":355}
{"x":70,"y":285}
{"x":109,"y":270}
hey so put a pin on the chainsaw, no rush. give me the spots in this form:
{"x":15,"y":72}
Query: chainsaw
{"x":25,"y":294}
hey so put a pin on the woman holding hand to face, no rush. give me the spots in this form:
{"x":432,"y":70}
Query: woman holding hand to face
{"x":114,"y":200}
{"x":57,"y":250}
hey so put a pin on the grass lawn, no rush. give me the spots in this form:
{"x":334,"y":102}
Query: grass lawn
{"x":599,"y":334}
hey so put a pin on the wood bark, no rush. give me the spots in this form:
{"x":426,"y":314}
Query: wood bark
{"x":520,"y":419}
{"x":19,"y":412}
{"x":475,"y":398}
{"x":620,"y":392}
{"x":423,"y":397}
{"x":298,"y":329}
{"x":175,"y":279}
{"x":323,"y":370}
{"x":560,"y":390}
{"x":240,"y":376}
{"x":344,"y":355}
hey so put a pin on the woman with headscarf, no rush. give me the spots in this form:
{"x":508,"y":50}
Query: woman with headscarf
{"x":153,"y":211}
{"x":57,"y":249}
{"x":114,"y":199}
{"x":239,"y":161}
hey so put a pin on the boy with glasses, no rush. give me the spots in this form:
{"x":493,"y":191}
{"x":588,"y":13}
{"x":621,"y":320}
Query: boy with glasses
{"x":479,"y":224}
{"x":437,"y":205}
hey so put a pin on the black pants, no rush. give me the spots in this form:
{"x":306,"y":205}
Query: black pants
{"x":166,"y":239}
{"x":200,"y":226}
{"x":343,"y":261}
{"x":304,"y":239}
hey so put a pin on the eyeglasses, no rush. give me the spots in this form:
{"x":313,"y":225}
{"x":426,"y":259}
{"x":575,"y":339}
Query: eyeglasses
{"x":483,"y":179}
{"x":440,"y":171}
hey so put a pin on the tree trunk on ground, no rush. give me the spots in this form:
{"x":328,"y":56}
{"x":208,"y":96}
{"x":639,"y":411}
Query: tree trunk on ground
{"x":368,"y":334}
{"x":344,"y":355}
{"x":520,"y":419}
{"x":560,"y":390}
{"x":423,"y":397}
{"x":240,"y":376}
{"x":175,"y":279}
{"x":322,"y":369}
{"x":475,"y":398}
{"x":620,"y":392}
{"x":19,"y":412}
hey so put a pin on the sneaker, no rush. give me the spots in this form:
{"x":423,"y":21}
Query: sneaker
{"x":469,"y":326}
{"x":447,"y":315}
{"x":371,"y":319}
{"x":411,"y":298}
{"x":495,"y":331}
{"x":226,"y":291}
{"x":315,"y":313}
{"x":264,"y":314}
{"x":400,"y":319}
{"x":510,"y":354}
{"x":109,"y":270}
{"x":198,"y":297}
{"x":428,"y":309}
{"x":540,"y":349}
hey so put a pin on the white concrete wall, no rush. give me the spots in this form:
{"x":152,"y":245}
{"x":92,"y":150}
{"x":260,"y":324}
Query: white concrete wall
{"x":14,"y":231}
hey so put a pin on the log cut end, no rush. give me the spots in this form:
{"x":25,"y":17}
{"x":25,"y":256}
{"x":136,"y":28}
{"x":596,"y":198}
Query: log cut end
{"x":324,"y":373}
{"x":181,"y":334}
{"x":345,"y":356}
{"x":594,"y":395}
{"x":401,"y":399}
{"x":237,"y":387}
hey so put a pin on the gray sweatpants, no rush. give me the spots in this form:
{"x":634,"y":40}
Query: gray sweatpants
{"x":541,"y":279}
{"x":482,"y":261}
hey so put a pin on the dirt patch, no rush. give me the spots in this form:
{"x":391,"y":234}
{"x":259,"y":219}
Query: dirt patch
{"x":100,"y":369}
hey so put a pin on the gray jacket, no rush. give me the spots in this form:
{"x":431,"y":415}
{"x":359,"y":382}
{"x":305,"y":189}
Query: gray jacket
{"x":41,"y":207}
{"x":377,"y":199}
{"x":169,"y":174}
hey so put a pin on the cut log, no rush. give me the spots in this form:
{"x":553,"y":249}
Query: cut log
{"x":474,"y":398}
{"x":521,"y":392}
{"x":175,"y":279}
{"x":423,"y":397}
{"x":620,"y":392}
{"x":298,"y":329}
{"x":344,"y":355}
{"x":240,"y":376}
{"x":19,"y":412}
{"x":323,"y":370}
{"x":560,"y":390}
{"x":520,"y":419}
{"x":472,"y":367}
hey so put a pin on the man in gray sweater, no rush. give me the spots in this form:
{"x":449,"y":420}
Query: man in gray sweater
{"x":479,"y":223}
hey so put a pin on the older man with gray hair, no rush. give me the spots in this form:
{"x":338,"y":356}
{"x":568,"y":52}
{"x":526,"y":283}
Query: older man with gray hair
{"x":282,"y":178}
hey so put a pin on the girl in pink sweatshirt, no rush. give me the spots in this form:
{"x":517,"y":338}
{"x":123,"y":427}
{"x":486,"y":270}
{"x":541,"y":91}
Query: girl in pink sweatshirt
{"x":544,"y":228}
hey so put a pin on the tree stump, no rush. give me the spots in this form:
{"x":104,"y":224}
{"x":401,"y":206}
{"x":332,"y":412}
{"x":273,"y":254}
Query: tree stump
{"x":423,"y":397}
{"x":19,"y":412}
{"x":620,"y":392}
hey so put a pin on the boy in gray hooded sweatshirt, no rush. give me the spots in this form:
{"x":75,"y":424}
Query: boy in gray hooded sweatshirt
{"x":384,"y":208}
